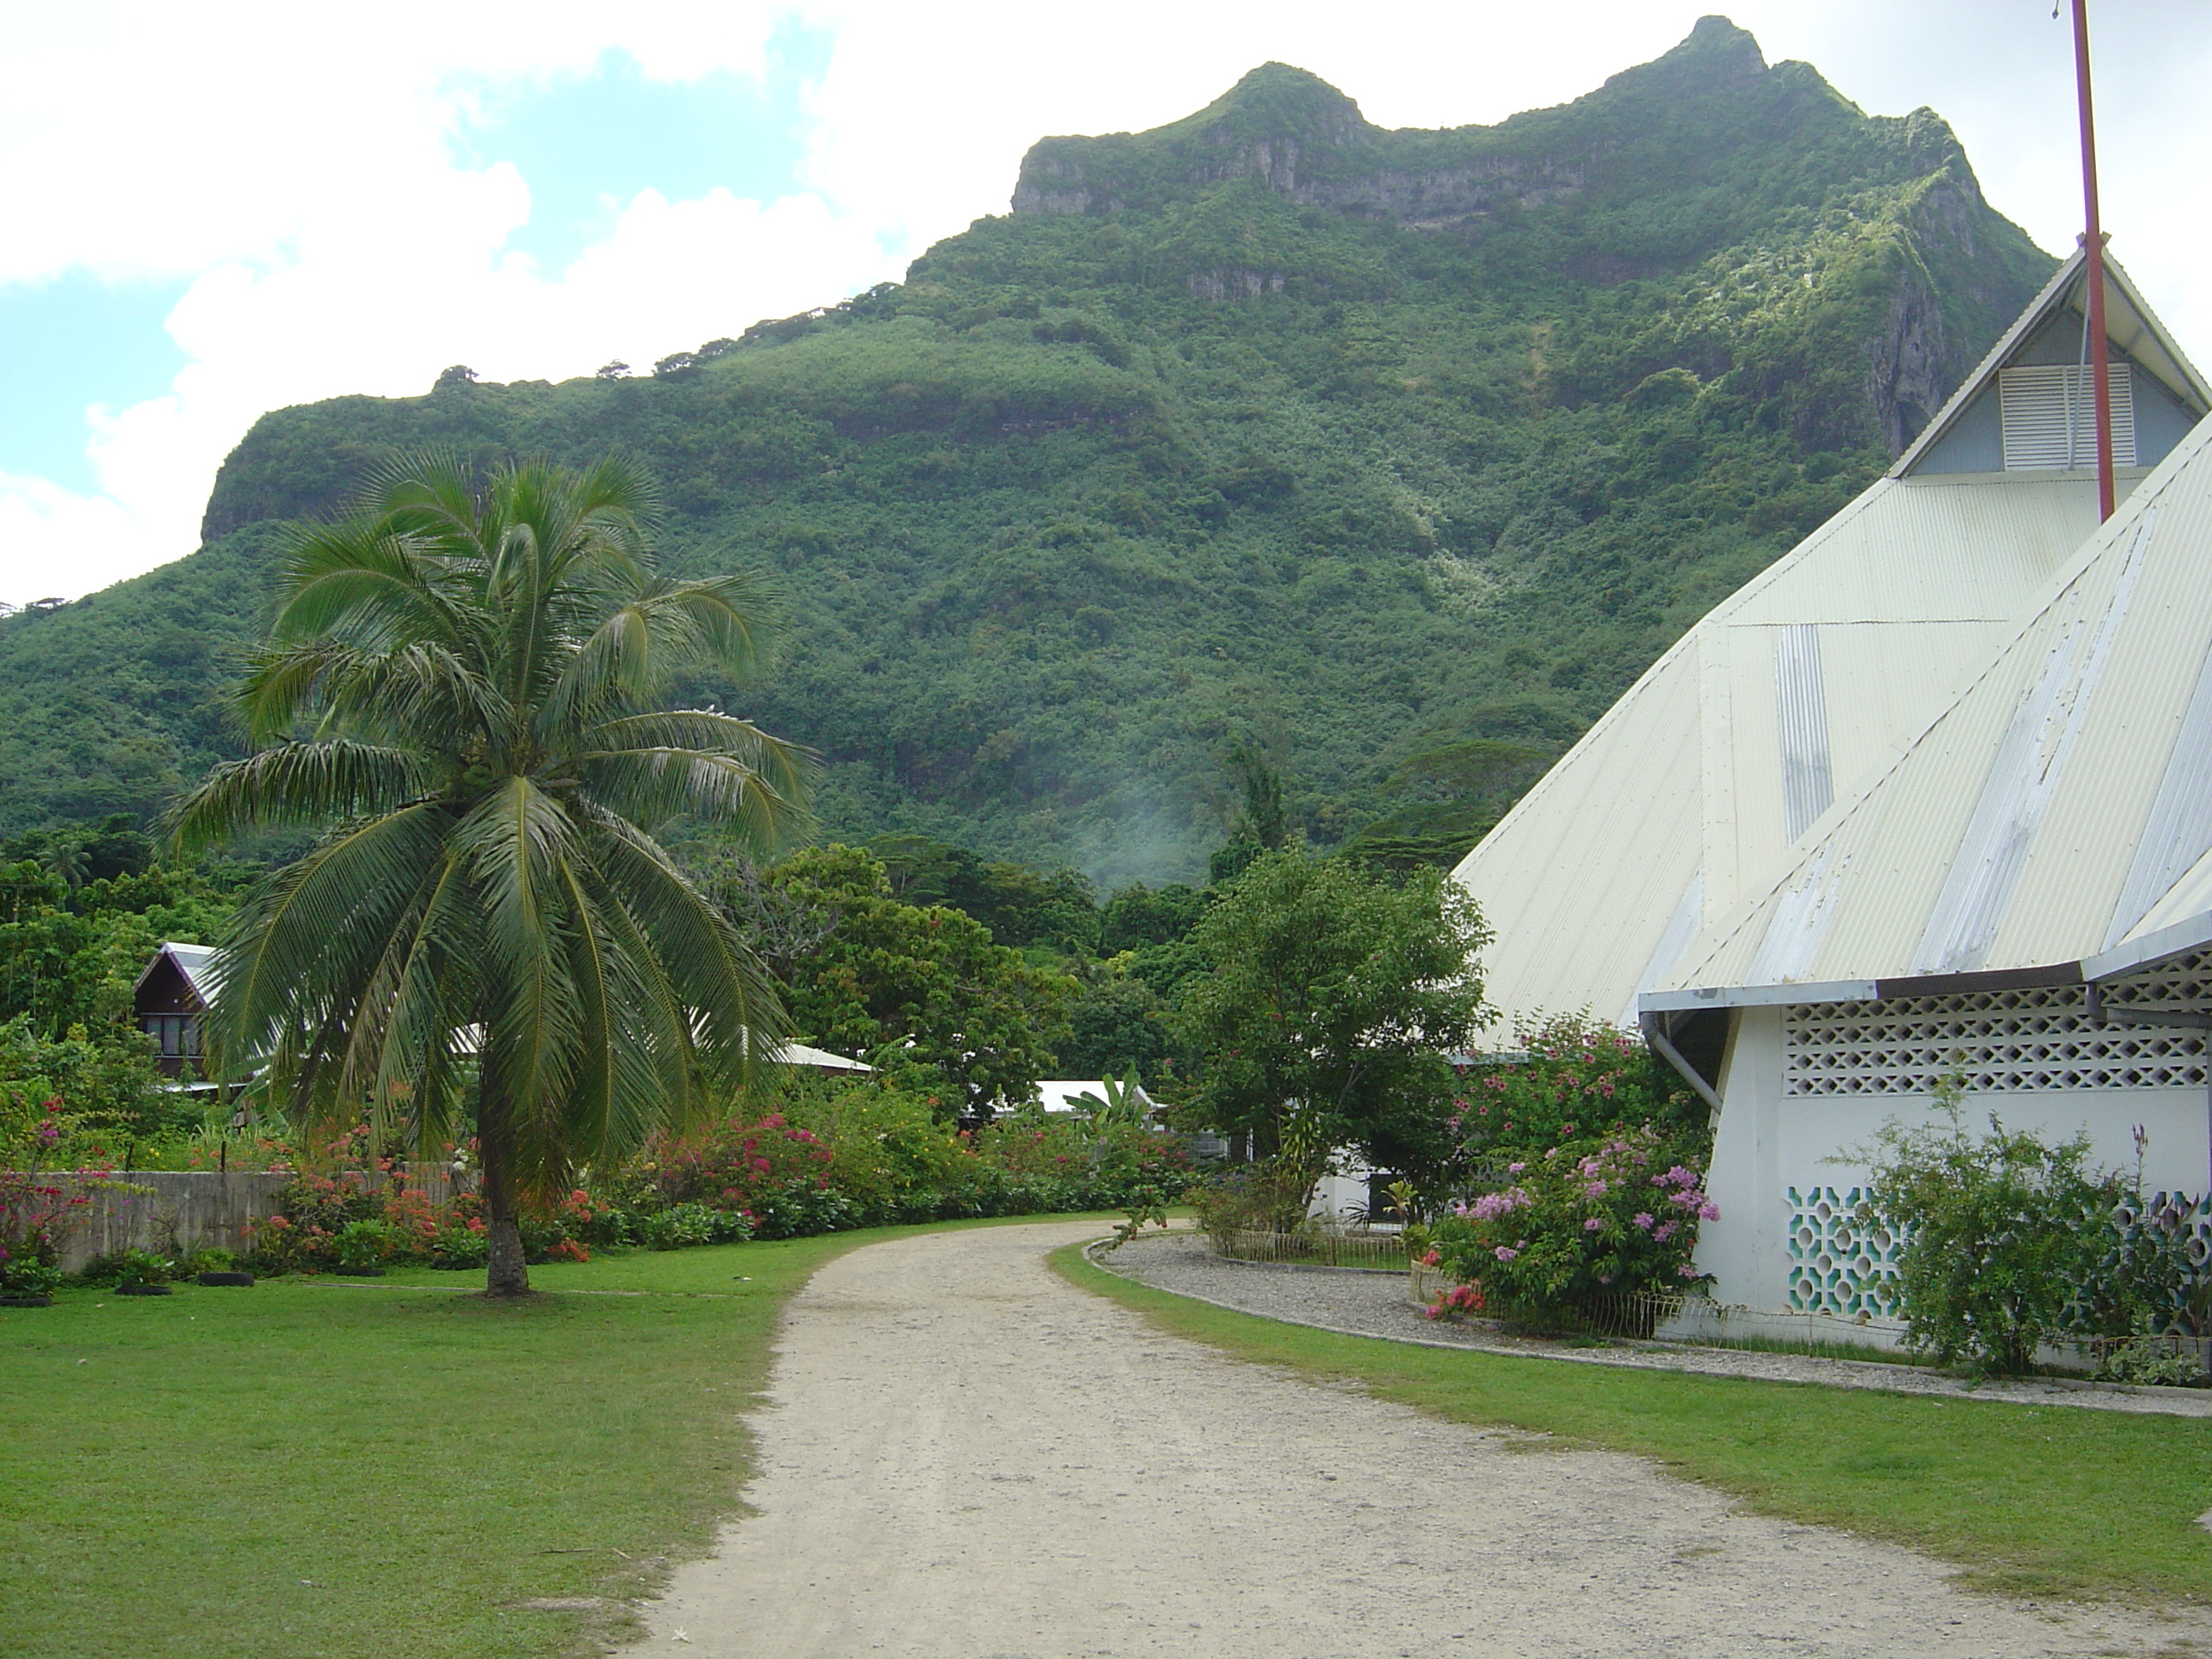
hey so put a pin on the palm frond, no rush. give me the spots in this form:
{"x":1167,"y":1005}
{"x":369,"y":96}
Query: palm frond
{"x":513,"y":843}
{"x":293,"y":785}
{"x":300,"y":949}
{"x":787,"y":768}
{"x":735,"y":1009}
{"x":653,"y":785}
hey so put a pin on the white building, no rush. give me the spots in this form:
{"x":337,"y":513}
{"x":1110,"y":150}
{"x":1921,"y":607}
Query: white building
{"x":1890,"y":812}
{"x":1721,"y":758}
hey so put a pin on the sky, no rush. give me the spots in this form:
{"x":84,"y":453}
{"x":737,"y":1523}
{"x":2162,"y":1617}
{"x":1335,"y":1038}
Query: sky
{"x":210,"y":211}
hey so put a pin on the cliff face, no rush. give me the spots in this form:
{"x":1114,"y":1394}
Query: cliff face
{"x":1269,"y":426}
{"x":1684,"y":170}
{"x":1301,"y":138}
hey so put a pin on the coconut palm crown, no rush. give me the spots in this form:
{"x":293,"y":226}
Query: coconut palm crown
{"x":461,"y":691}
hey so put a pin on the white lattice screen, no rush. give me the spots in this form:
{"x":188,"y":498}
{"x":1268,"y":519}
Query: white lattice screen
{"x":1999,"y":1042}
{"x":1839,"y":1263}
{"x":1844,"y":1256}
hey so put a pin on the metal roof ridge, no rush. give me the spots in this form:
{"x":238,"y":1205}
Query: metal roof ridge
{"x":169,"y":947}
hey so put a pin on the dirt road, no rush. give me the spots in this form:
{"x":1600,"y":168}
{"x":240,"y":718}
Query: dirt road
{"x":967,"y":1458}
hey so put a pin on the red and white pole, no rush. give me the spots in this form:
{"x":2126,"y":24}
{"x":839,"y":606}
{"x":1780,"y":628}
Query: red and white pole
{"x":2094,"y":272}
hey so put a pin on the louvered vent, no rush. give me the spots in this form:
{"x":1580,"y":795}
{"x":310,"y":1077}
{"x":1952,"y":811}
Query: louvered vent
{"x":2049,"y":416}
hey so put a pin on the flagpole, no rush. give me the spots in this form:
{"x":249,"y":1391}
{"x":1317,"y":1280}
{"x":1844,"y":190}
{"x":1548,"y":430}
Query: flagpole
{"x":2092,"y":245}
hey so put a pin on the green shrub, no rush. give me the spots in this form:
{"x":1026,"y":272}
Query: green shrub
{"x":128,"y":1269}
{"x":2145,"y":1355}
{"x":365,"y":1246}
{"x":2002,"y":1233}
{"x":1580,"y":1076}
{"x":459,"y":1245}
{"x":1267,"y":1197}
{"x":681,"y":1225}
{"x":25,"y":1275}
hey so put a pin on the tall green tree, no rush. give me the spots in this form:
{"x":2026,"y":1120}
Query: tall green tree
{"x":463,"y":690}
{"x":920,"y":990}
{"x":1336,"y":995}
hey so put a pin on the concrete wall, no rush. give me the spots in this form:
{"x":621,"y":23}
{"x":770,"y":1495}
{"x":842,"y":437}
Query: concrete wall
{"x":181,"y":1210}
{"x":1767,"y":1143}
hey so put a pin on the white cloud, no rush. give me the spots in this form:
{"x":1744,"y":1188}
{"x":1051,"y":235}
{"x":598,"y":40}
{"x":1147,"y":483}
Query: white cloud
{"x":292,"y":162}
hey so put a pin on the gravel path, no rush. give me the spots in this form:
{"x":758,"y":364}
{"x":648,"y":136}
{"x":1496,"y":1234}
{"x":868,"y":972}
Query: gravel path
{"x":1366,"y":1303}
{"x":965,"y":1457}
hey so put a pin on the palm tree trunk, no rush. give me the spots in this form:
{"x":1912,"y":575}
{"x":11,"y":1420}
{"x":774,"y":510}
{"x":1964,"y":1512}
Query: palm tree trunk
{"x":506,"y":1273}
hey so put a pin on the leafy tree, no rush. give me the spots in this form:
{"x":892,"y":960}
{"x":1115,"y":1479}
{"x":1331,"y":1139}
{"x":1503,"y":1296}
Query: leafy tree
{"x":1139,"y":915}
{"x":105,"y":1081}
{"x":1019,"y":905}
{"x":482,"y":665}
{"x":1116,"y":1025}
{"x":1448,"y":798}
{"x":1334,"y":1000}
{"x":1261,"y":825}
{"x":923,"y":991}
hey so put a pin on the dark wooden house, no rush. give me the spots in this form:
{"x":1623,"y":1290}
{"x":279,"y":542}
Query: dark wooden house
{"x":170,"y":1004}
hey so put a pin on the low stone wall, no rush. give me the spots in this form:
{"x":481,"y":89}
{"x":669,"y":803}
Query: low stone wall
{"x":165,"y":1210}
{"x":181,"y":1210}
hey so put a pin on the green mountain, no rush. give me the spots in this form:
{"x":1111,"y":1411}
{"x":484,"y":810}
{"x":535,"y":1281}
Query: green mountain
{"x":1268,"y":430}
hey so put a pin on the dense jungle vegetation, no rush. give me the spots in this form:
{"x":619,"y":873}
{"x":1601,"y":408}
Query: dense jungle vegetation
{"x":1393,"y":457}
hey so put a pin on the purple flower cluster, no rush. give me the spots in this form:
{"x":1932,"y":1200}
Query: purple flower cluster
{"x":1490,"y":1206}
{"x":1685,"y":1192}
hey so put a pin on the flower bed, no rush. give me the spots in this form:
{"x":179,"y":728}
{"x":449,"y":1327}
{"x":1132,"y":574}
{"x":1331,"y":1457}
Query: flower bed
{"x":1585,"y":1228}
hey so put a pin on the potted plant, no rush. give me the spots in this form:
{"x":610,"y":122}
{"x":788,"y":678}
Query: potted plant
{"x":362,"y":1246}
{"x":219,"y":1268}
{"x":141,"y":1272}
{"x":27,"y":1282}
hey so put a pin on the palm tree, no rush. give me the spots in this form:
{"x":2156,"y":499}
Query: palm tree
{"x":461,"y":691}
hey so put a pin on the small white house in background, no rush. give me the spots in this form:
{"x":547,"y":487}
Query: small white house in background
{"x":820,"y":1060}
{"x":1343,"y":1199}
{"x":1066,"y":1095}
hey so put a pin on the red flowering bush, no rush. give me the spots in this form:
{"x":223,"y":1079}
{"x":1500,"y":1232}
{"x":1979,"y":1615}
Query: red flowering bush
{"x":41,"y":1208}
{"x":357,"y":1197}
{"x":1579,"y":1077}
{"x":768,"y":1172}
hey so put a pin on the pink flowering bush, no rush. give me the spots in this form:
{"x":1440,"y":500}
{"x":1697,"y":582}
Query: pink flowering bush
{"x":1594,"y":1217}
{"x":1581,"y":1078}
{"x":40,"y":1208}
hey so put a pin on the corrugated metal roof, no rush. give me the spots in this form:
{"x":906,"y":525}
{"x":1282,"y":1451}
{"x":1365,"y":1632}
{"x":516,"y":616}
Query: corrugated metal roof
{"x":2059,"y":806}
{"x":819,"y":1060}
{"x":194,"y":961}
{"x":1687,"y":787}
{"x":1727,"y":760}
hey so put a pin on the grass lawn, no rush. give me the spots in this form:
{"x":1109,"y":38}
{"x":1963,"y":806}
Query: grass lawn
{"x":2048,"y":1501}
{"x":314,"y":1468}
